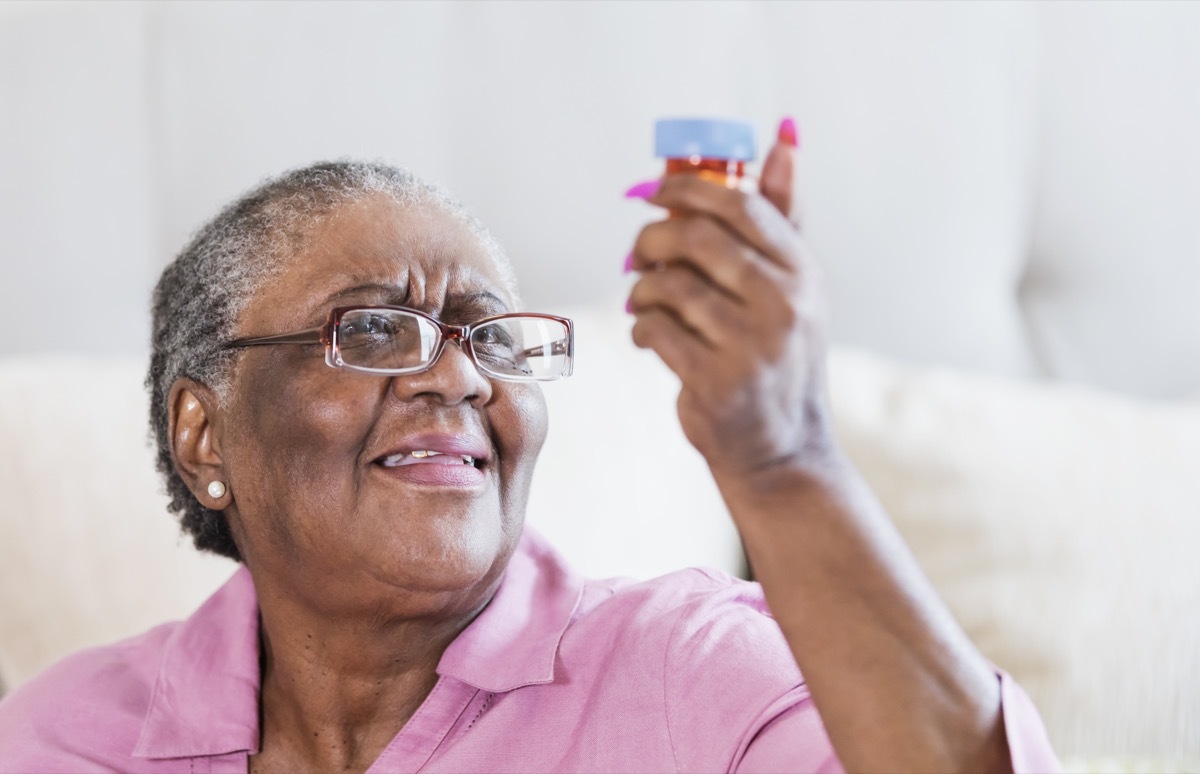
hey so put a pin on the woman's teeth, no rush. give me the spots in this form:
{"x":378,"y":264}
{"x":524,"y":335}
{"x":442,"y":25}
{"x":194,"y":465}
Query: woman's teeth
{"x":422,"y":456}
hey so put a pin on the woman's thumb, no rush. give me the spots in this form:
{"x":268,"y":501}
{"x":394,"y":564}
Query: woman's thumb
{"x":775,"y":182}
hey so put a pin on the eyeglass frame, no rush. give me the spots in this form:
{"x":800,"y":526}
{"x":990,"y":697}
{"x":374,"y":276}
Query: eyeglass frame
{"x":327,"y":334}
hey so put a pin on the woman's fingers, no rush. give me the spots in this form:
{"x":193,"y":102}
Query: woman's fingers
{"x":713,"y":251}
{"x":685,"y":353}
{"x":778,"y":172}
{"x":751,"y":218}
{"x":712,"y":317}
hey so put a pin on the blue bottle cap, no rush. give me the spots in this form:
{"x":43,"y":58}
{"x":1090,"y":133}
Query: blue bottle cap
{"x":711,"y":138}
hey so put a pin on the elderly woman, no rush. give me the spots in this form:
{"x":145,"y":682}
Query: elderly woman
{"x":345,"y":400}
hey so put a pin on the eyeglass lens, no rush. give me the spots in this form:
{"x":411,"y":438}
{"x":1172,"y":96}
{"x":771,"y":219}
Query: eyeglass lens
{"x":522,"y":347}
{"x":511,"y":347}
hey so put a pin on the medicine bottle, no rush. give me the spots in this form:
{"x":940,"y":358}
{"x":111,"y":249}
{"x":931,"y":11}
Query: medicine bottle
{"x":715,"y":149}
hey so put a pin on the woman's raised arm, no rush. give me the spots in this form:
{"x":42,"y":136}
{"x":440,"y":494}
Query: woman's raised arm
{"x":732,"y":302}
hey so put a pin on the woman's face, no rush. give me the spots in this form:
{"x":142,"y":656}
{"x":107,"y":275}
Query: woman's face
{"x":307,"y":449}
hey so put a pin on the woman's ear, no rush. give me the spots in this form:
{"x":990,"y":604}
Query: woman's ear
{"x":192,"y":413}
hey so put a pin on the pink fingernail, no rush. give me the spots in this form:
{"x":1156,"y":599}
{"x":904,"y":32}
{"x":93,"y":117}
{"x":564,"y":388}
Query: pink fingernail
{"x":644,"y":190}
{"x":629,"y":306}
{"x":788,"y":133}
{"x":628,"y":264}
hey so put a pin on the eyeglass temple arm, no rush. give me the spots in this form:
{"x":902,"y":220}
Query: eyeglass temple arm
{"x":559,"y":347}
{"x":312,"y":336}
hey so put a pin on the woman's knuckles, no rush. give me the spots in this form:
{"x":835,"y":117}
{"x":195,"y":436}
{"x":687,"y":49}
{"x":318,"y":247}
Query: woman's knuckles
{"x":642,"y":332}
{"x":694,"y":193}
{"x":656,"y":244}
{"x":657,"y":330}
{"x":680,"y":285}
{"x":703,"y":237}
{"x":686,"y":294}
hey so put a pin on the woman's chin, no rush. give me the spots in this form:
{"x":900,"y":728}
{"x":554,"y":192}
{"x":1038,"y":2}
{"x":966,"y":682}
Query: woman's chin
{"x":447,"y":552}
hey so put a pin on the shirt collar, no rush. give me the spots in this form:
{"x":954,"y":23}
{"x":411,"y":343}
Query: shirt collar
{"x":205,"y":699}
{"x":514,"y":641}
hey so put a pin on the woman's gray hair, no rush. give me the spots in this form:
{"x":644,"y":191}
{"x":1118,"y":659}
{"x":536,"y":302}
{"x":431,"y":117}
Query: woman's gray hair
{"x":200,"y":295}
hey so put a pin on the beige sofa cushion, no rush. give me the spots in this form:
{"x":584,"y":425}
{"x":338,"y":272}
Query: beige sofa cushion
{"x":1062,"y":526}
{"x":88,"y":552}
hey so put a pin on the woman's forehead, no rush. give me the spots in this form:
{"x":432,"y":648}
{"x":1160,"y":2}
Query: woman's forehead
{"x":379,"y":251}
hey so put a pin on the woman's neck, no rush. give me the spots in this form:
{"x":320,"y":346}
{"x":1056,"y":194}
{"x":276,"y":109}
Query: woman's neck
{"x":336,"y":690}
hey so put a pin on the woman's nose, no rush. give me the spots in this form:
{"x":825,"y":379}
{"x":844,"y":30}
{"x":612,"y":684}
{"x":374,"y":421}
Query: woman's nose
{"x":452,"y":379}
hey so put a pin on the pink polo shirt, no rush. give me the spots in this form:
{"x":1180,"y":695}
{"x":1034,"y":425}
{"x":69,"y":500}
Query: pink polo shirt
{"x":687,"y":672}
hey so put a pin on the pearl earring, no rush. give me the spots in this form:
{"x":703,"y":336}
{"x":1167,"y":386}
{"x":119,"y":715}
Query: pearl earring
{"x":216,"y":490}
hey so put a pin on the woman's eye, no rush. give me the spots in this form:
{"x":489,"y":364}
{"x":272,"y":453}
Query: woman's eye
{"x":379,"y":325}
{"x":486,"y":336}
{"x":496,"y":346}
{"x":494,"y":336}
{"x":367,"y":326}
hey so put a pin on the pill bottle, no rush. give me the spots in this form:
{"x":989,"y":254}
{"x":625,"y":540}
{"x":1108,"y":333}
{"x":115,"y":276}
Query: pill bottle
{"x":716,"y":149}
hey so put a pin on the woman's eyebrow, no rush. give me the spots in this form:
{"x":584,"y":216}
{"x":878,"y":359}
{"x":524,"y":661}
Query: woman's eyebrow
{"x":482,"y":300}
{"x":394,"y":293}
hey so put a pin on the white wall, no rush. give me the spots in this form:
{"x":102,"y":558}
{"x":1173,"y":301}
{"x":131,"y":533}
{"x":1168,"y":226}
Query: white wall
{"x":1007,"y":187}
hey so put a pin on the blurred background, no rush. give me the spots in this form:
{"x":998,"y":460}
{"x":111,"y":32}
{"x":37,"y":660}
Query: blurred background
{"x":1027,"y":171}
{"x":1005,"y":198}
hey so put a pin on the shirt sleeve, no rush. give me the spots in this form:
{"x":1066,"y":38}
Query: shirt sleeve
{"x":793,"y":740}
{"x":797,"y":733}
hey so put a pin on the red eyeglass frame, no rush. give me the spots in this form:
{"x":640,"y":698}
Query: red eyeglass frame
{"x":327,"y":334}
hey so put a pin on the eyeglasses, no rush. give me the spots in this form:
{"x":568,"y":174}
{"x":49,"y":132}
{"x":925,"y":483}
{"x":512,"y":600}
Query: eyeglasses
{"x":394,"y":340}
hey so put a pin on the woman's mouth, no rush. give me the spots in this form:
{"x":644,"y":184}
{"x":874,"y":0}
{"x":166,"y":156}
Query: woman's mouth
{"x":431,"y":467}
{"x":429,"y":457}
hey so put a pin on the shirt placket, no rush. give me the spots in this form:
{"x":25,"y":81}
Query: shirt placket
{"x":425,"y":731}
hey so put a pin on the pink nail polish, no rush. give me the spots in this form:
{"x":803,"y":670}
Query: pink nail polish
{"x":628,"y":264}
{"x":629,"y":306}
{"x":644,"y":190}
{"x":788,"y":133}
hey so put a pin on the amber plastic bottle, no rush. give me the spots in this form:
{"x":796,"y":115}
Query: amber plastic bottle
{"x":715,"y":149}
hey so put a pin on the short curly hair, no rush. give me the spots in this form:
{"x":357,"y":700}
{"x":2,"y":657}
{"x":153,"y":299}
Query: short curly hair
{"x":200,"y":295}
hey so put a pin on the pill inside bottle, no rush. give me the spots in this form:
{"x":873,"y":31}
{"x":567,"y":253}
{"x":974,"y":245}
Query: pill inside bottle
{"x":715,"y":149}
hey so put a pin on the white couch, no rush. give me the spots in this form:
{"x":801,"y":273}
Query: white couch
{"x":1004,"y":198}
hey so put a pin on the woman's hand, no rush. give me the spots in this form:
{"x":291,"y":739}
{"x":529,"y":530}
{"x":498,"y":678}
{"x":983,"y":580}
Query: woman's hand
{"x":732,"y":302}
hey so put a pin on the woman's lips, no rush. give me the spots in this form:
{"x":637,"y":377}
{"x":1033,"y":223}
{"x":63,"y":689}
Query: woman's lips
{"x":426,"y":457}
{"x":430,"y":445}
{"x":434,"y":468}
